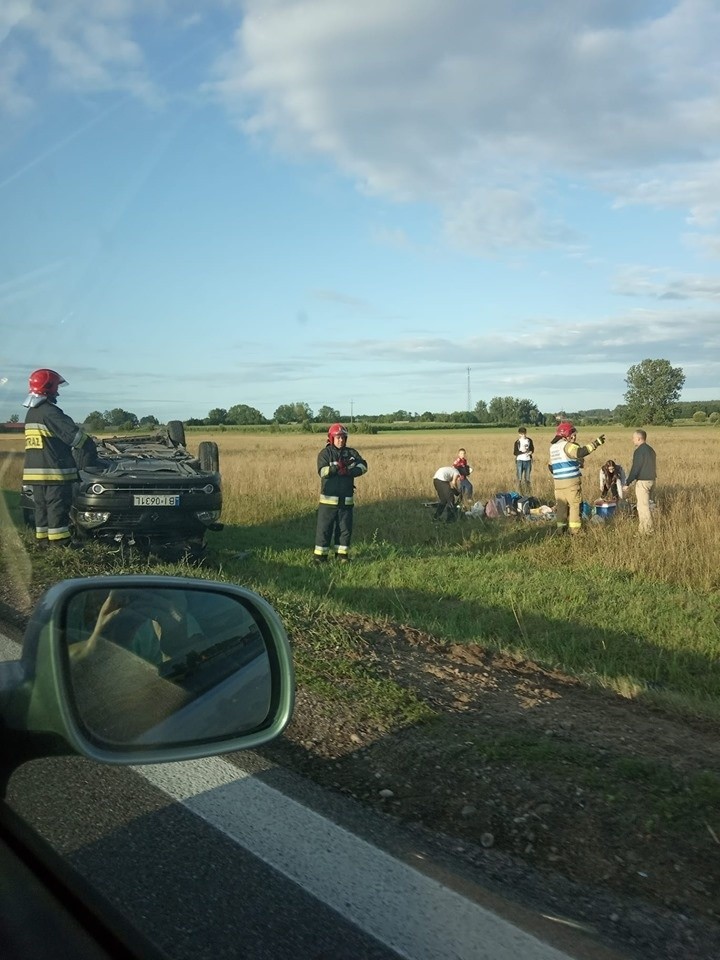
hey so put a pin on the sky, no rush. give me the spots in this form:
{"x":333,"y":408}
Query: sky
{"x":373,"y":206}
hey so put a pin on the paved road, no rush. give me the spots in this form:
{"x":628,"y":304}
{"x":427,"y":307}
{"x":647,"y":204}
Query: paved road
{"x":236,"y":858}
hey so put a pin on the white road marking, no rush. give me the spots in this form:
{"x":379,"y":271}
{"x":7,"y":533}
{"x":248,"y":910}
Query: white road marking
{"x":409,"y":912}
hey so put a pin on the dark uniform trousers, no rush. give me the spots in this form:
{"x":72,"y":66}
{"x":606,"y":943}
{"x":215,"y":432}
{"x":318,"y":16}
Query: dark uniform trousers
{"x":334,"y":525}
{"x":52,"y":509}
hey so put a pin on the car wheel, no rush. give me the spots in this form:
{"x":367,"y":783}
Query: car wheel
{"x":209,"y":456}
{"x":176,"y":432}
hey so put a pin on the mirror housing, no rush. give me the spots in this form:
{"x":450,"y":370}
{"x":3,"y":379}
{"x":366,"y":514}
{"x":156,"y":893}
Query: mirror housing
{"x":218,"y":679}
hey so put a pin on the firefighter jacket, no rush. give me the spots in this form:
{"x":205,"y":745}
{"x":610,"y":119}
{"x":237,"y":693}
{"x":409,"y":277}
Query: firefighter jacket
{"x":50,"y":438}
{"x":338,"y":469}
{"x":566,"y":458}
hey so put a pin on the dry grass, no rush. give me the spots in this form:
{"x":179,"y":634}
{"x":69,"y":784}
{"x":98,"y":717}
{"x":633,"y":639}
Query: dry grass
{"x":272,"y":477}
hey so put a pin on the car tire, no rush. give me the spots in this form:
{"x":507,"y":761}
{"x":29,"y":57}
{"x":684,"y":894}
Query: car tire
{"x":176,"y":432}
{"x":209,"y":456}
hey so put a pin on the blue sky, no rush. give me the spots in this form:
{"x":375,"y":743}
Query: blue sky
{"x":335,"y":202}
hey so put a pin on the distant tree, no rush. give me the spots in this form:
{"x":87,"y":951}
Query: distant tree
{"x":462,"y":416}
{"x":217,"y":415}
{"x":481,"y":412}
{"x":120,"y":418}
{"x":653,"y":390}
{"x":328,"y":415}
{"x":149,"y":421}
{"x":512,"y":410}
{"x":714,"y":417}
{"x":285,"y":413}
{"x":427,"y":417}
{"x":14,"y":418}
{"x":95,"y":422}
{"x":241,"y":413}
{"x":292,"y":413}
{"x":699,"y":416}
{"x":399,"y":416}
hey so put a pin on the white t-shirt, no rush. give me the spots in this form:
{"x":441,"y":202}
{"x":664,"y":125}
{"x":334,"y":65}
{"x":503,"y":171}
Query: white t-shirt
{"x":524,"y":448}
{"x":446,"y":473}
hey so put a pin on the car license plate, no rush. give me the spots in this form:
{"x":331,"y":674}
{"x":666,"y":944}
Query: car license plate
{"x":156,"y":500}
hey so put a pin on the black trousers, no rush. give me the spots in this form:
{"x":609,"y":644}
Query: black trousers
{"x":334,"y":529}
{"x":446,"y":500}
{"x":52,"y":511}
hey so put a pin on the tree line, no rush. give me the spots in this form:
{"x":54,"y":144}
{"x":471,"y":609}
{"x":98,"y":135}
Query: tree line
{"x":652,"y":397}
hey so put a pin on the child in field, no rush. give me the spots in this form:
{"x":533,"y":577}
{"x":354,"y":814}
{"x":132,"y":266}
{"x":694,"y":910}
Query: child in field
{"x":464,"y":469}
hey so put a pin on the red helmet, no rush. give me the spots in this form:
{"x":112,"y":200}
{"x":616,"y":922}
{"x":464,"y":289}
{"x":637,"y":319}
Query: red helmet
{"x":45,"y":383}
{"x":336,"y":430}
{"x":565,"y":429}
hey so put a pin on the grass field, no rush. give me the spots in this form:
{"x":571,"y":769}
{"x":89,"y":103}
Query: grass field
{"x":638,"y":615}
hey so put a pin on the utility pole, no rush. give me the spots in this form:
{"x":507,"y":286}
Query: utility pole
{"x":469,"y":398}
{"x":352,"y":404}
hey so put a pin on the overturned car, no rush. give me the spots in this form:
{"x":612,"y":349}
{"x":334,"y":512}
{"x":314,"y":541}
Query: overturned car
{"x":147,"y":492}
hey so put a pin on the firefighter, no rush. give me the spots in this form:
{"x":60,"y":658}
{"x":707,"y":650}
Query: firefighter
{"x":51,"y":439}
{"x":566,"y":460}
{"x":338,"y":465}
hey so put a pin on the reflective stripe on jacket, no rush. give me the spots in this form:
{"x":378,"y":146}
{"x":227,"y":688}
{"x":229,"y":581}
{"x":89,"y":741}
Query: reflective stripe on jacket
{"x":333,"y":485}
{"x":563,"y":465}
{"x":50,"y":436}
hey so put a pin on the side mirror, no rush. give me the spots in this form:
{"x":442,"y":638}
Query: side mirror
{"x":145,"y":669}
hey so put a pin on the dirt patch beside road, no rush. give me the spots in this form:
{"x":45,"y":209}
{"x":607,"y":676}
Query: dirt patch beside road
{"x":609,"y":804}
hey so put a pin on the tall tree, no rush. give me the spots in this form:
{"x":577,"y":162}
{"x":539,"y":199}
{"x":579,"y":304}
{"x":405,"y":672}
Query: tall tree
{"x":511,"y":410}
{"x":328,"y":415}
{"x":653,"y":390}
{"x":217,"y":415}
{"x":293,"y":412}
{"x":120,"y":418}
{"x":481,"y":411}
{"x":95,"y":421}
{"x":241,"y":413}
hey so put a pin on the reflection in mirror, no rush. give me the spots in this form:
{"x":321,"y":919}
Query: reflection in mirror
{"x":154,"y":667}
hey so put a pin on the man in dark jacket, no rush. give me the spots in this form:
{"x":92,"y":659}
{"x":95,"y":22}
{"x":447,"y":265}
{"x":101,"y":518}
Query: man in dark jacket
{"x":51,"y":438}
{"x":643,"y":474}
{"x":338,"y":465}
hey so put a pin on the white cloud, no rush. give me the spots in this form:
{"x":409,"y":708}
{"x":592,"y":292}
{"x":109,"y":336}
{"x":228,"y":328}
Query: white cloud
{"x":465,"y":104}
{"x":643,"y":282}
{"x":80,"y":45}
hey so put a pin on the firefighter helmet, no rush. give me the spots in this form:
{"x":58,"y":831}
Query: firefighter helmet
{"x":336,"y":430}
{"x":565,"y":429}
{"x":45,"y":383}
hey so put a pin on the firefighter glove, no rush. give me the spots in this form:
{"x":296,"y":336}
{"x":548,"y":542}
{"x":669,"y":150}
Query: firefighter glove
{"x":600,"y":440}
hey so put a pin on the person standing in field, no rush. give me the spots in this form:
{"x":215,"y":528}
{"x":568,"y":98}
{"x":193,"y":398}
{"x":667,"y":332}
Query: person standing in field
{"x":338,"y":466}
{"x":447,"y":482}
{"x":566,"y":460}
{"x":523,"y":451}
{"x":464,"y":469}
{"x":643,"y":474}
{"x":51,"y":440}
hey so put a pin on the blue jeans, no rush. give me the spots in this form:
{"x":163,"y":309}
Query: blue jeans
{"x":524,"y":469}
